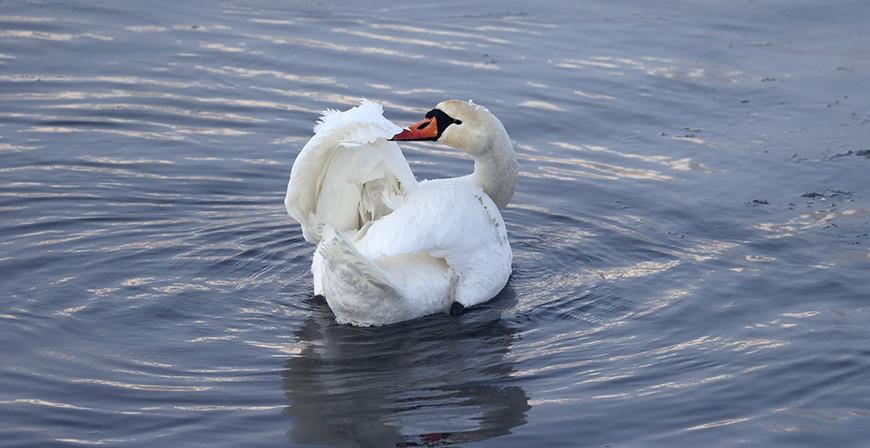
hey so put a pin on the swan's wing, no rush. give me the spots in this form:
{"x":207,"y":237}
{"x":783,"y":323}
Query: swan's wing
{"x":453,"y":220}
{"x":442,"y":217}
{"x":348,"y":174}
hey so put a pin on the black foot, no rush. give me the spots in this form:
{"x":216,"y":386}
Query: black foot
{"x":457,"y":309}
{"x":319,"y":297}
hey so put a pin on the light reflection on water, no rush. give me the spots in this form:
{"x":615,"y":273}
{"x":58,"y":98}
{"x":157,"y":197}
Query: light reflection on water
{"x":331,"y":384}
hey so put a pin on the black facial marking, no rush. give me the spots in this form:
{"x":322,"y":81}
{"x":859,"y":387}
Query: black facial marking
{"x":443,"y":120}
{"x":423,"y":126}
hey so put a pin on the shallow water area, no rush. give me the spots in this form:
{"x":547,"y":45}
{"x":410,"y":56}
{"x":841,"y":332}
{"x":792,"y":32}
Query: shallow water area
{"x":691,"y":231}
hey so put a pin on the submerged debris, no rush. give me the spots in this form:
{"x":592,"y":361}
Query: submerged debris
{"x":828,"y":194}
{"x":858,"y":153}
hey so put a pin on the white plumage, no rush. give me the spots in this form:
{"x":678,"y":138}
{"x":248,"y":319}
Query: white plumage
{"x":389,"y":248}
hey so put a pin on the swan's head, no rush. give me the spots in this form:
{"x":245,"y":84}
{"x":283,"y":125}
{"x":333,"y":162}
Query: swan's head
{"x":456,"y":123}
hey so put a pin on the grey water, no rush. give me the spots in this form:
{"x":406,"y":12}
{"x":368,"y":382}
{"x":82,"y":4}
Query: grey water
{"x":691,"y":231}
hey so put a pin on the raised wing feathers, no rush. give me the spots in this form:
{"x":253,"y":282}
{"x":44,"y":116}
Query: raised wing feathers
{"x":348,"y":173}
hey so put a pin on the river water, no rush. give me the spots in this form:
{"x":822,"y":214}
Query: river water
{"x":690,"y":232}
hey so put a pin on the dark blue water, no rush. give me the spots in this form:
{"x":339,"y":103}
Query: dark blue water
{"x":691,"y":232}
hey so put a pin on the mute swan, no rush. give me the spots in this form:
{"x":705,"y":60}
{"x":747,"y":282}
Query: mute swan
{"x":390,"y":248}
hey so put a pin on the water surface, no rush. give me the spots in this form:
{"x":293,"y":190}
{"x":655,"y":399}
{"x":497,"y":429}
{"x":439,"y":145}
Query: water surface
{"x":690,"y":232}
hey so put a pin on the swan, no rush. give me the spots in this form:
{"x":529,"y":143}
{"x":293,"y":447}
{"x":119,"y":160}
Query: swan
{"x":390,"y":248}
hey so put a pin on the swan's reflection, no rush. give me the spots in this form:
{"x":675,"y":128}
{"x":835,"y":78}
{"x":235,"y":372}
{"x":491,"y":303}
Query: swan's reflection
{"x":433,"y":381}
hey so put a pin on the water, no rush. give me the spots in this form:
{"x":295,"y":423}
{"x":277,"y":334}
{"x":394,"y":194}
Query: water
{"x":690,"y":231}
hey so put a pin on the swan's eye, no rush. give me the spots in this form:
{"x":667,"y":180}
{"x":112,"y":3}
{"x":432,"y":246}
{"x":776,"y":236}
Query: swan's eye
{"x":423,"y":126}
{"x":457,"y":121}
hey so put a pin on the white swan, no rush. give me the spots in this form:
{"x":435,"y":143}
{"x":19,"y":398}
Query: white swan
{"x":389,"y":248}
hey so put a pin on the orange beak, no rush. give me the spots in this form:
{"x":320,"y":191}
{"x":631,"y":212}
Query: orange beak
{"x":426,"y":129}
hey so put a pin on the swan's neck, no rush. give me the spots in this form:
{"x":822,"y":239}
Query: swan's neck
{"x":495,"y":169}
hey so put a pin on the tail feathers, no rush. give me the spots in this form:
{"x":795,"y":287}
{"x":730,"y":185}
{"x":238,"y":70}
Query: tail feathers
{"x":343,"y":260}
{"x":355,"y":288}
